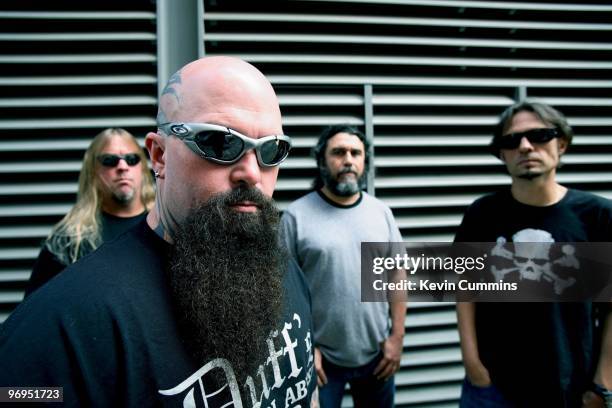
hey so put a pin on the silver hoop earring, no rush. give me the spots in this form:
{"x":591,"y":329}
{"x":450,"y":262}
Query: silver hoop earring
{"x":155,"y":174}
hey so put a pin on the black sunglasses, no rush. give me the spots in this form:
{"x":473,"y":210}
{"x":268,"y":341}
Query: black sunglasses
{"x":513,"y":140}
{"x":223,"y":145}
{"x":112,"y":160}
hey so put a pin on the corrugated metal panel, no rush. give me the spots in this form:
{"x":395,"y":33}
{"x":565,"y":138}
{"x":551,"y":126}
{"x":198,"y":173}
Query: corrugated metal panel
{"x":67,"y":69}
{"x":441,"y":71}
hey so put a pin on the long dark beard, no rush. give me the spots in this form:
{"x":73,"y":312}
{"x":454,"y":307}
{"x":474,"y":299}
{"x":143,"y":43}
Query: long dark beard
{"x":226,"y":278}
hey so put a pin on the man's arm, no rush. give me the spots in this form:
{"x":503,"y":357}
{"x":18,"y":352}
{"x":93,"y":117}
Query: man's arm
{"x":287,"y":234}
{"x":288,"y":239}
{"x":476,"y":372}
{"x":394,"y":344}
{"x":603,"y":374}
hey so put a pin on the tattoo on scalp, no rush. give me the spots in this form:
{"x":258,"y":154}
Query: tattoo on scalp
{"x":175,"y":79}
{"x":169,"y":89}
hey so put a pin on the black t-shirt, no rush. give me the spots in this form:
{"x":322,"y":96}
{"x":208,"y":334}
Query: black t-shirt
{"x":539,"y":354}
{"x":47,"y":265}
{"x":105,"y":331}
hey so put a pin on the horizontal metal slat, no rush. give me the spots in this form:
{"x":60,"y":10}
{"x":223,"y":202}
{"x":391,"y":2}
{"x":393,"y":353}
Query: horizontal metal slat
{"x":473,"y":120}
{"x":50,"y":145}
{"x":421,"y":221}
{"x":480,"y":180}
{"x":14,"y":275}
{"x":77,"y":58}
{"x":433,"y":201}
{"x":77,"y":101}
{"x":33,"y":210}
{"x":303,"y":142}
{"x":431,"y":338}
{"x":574,"y":101}
{"x":77,"y":123}
{"x":12,"y":296}
{"x":302,"y":79}
{"x":437,"y":120}
{"x":389,"y":40}
{"x":429,"y":375}
{"x":428,"y":394}
{"x":431,"y":161}
{"x":468,"y":140}
{"x":509,"y":5}
{"x":401,"y":21}
{"x":431,"y":319}
{"x":79,"y":80}
{"x":590,"y":121}
{"x":40,"y":167}
{"x":419,"y":61}
{"x":38,"y":189}
{"x":299,"y":163}
{"x":293,"y":184}
{"x":428,"y":356}
{"x":441,"y":100}
{"x":75,"y":15}
{"x":472,"y":160}
{"x":446,"y":181}
{"x":428,"y":237}
{"x":428,"y":140}
{"x":315,"y":120}
{"x":87,"y":36}
{"x":44,"y":145}
{"x":18,"y":254}
{"x":320,"y":100}
{"x":37,"y":231}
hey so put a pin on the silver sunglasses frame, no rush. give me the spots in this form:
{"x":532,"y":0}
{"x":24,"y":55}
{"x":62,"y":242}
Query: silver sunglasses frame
{"x":187,"y":131}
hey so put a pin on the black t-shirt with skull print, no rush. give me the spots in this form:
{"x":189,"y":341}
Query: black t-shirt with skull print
{"x":539,"y":354}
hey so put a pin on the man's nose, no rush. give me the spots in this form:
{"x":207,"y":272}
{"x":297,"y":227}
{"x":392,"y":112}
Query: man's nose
{"x":348,"y":159}
{"x":122,"y":165}
{"x":246,"y":170}
{"x":525,"y":145}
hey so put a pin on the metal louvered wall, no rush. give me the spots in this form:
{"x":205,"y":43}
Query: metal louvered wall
{"x":426,"y":78}
{"x":67,"y":70}
{"x":429,"y":78}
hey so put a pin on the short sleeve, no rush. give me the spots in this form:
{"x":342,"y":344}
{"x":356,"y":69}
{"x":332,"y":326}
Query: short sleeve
{"x":288,"y":232}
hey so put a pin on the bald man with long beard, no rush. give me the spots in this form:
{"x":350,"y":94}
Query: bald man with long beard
{"x":197,"y":306}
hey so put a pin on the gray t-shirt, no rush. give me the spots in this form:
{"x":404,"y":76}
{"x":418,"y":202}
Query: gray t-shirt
{"x":325,"y":240}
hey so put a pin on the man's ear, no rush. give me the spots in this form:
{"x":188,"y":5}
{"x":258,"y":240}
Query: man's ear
{"x":501,"y":156}
{"x":156,"y":145}
{"x":562,"y":146}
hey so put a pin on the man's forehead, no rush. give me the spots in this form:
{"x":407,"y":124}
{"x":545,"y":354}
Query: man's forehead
{"x":118,"y":142}
{"x":251,"y":122}
{"x":345,"y":140}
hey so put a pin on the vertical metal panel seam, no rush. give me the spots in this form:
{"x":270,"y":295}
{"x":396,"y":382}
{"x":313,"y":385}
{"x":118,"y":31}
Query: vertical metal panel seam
{"x":369,"y":133}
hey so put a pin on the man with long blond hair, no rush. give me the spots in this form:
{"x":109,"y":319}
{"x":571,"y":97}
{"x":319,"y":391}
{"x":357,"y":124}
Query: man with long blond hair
{"x":115,"y":191}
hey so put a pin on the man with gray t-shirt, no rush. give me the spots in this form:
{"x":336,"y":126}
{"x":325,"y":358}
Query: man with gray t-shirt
{"x":323,"y":232}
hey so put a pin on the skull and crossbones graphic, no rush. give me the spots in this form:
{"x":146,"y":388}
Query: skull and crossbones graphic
{"x":531,"y":258}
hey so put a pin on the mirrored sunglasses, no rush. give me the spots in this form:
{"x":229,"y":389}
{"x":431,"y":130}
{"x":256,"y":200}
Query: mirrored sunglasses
{"x":513,"y":140}
{"x":112,"y":160}
{"x":223,"y":145}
